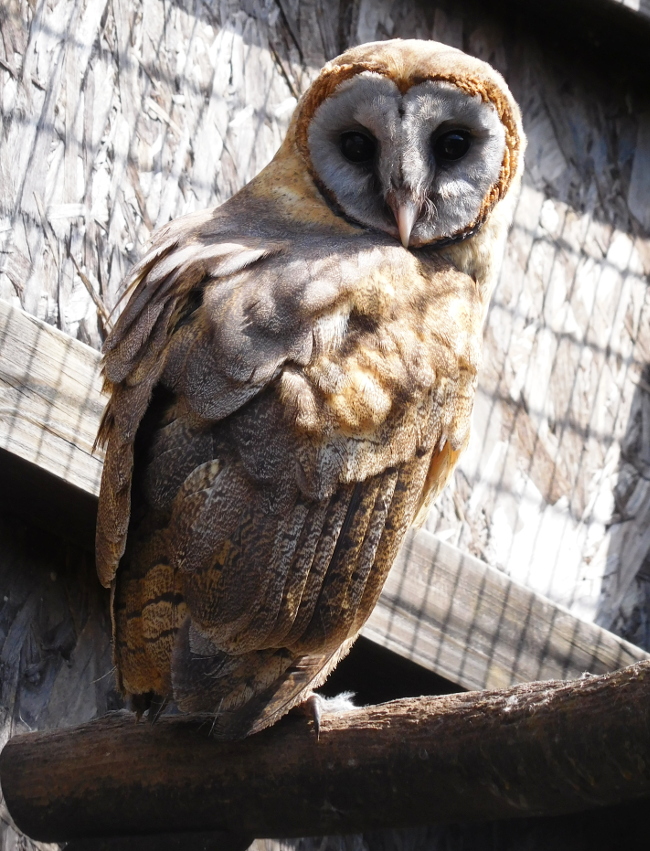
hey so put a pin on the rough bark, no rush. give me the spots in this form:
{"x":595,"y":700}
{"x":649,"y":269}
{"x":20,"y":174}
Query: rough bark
{"x":536,"y":749}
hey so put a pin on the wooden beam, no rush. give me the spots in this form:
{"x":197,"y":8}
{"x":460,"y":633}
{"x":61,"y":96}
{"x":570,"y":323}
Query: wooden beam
{"x":50,"y":398}
{"x":536,"y":749}
{"x":470,"y":623}
{"x":443,"y":609}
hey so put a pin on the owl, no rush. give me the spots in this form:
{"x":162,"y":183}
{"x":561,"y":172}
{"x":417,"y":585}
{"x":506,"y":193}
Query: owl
{"x":291,"y":383}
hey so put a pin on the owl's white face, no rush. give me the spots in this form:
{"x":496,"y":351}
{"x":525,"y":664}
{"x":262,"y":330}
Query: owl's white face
{"x":417,"y":165}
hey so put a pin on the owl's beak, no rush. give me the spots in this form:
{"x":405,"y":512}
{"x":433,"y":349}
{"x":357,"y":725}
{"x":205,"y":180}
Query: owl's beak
{"x":406,"y":215}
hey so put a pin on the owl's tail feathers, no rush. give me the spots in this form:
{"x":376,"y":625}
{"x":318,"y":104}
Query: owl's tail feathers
{"x":244,"y":694}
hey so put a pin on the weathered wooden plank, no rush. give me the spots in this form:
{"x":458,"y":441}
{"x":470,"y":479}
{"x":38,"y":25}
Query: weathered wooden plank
{"x":446,"y":610}
{"x":50,"y":399}
{"x":472,"y":624}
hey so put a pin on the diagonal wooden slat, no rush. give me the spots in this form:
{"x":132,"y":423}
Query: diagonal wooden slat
{"x":442,"y":608}
{"x":472,"y":624}
{"x":50,"y":398}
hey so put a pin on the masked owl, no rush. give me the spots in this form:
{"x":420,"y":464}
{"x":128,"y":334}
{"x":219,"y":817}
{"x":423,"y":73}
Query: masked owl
{"x":291,"y":382}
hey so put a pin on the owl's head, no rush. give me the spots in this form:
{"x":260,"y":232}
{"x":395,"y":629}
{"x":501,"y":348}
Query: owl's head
{"x":412,"y":138}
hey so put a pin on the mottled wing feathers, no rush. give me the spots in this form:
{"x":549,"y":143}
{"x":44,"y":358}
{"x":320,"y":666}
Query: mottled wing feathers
{"x":274,"y":586}
{"x":300,"y":629}
{"x":164,"y":288}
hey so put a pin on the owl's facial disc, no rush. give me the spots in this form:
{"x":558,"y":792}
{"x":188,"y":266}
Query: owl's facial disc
{"x":417,"y":166}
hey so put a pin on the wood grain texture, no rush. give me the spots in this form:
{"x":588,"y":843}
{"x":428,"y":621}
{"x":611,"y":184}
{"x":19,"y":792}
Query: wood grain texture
{"x":543,"y":748}
{"x":55,"y":653}
{"x":50,"y":399}
{"x":457,"y":616}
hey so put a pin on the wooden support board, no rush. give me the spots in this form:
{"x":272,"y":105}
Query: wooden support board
{"x":443,"y":609}
{"x":470,"y":623}
{"x":50,"y":398}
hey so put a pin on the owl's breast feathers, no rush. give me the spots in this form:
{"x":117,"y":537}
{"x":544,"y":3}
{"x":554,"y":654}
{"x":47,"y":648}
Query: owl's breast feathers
{"x":281,"y":410}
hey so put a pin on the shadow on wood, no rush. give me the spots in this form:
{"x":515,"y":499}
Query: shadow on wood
{"x":535,"y":749}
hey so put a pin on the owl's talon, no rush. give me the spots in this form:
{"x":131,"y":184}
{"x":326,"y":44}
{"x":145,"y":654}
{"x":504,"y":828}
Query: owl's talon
{"x":312,"y":707}
{"x":157,"y":706}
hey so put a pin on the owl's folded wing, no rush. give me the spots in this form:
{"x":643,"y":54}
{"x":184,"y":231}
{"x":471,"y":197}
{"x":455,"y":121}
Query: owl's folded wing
{"x":287,"y":594}
{"x":164,"y":288}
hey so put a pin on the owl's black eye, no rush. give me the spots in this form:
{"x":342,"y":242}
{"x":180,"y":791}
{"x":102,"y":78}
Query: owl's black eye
{"x":357,"y":147}
{"x":452,"y":146}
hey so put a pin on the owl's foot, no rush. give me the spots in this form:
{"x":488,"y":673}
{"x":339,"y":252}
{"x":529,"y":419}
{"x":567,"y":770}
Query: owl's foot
{"x":316,"y":704}
{"x":150,"y":705}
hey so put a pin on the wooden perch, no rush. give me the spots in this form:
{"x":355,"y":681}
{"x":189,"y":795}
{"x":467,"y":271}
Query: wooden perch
{"x":535,"y":749}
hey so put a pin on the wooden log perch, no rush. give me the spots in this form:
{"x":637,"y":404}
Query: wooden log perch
{"x":536,"y":749}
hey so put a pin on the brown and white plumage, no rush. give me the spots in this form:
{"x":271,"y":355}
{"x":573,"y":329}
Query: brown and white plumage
{"x":290,"y":386}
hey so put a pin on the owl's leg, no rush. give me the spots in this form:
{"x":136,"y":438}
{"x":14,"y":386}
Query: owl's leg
{"x":139,"y":703}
